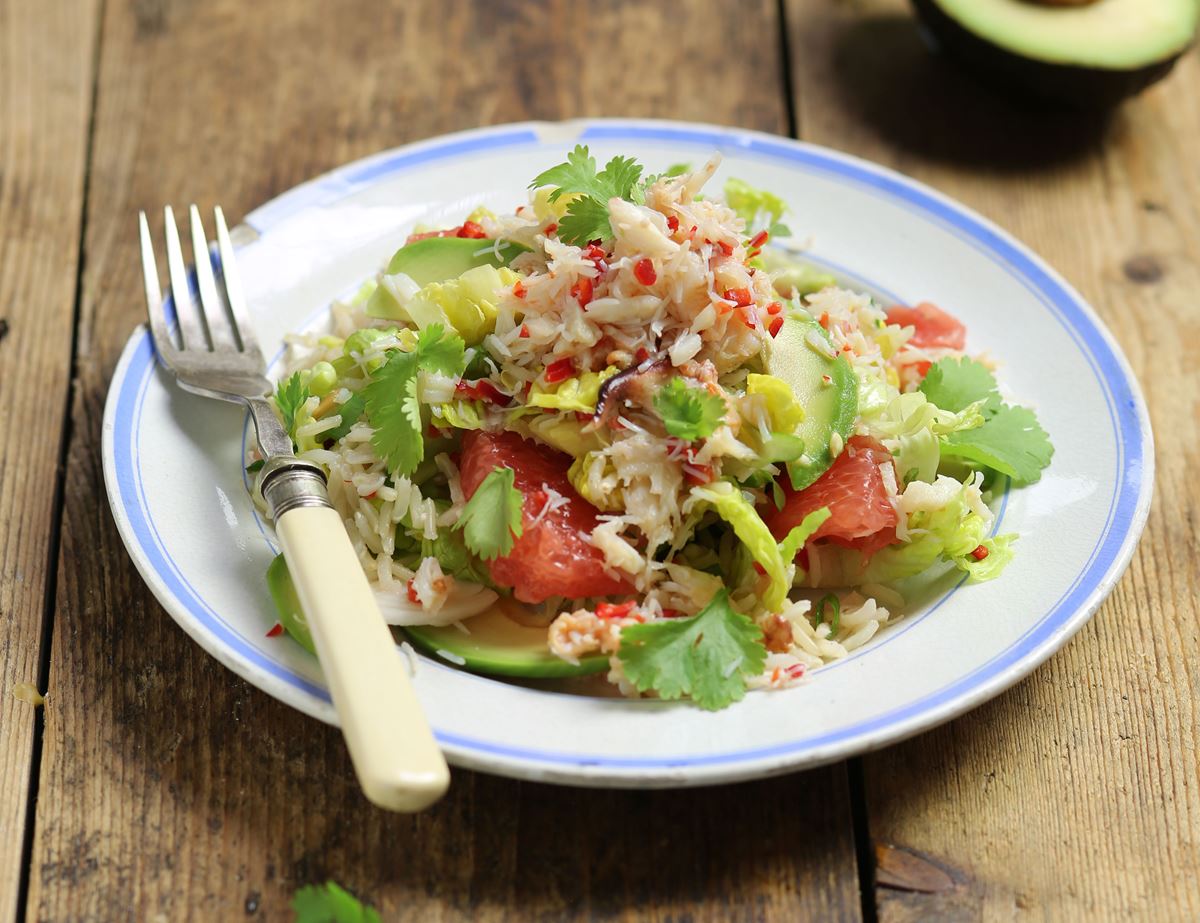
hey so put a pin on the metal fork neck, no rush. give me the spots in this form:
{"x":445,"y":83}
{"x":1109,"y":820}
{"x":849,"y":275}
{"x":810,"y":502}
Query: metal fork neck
{"x":289,"y":483}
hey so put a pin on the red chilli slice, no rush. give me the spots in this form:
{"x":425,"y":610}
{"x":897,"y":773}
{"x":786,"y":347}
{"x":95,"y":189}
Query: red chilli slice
{"x":739,"y":296}
{"x":472,"y":230}
{"x":560,"y":370}
{"x":644,"y":272}
{"x":581,"y":291}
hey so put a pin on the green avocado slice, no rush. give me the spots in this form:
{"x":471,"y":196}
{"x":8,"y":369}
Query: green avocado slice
{"x":287,"y":603}
{"x":436,"y":259}
{"x":827,"y":388}
{"x":497,"y":645}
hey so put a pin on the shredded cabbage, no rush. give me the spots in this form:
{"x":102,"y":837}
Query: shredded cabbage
{"x":782,"y":407}
{"x":732,"y":506}
{"x":753,"y":204}
{"x":466,"y":304}
{"x":463,"y":414}
{"x":909,"y":426}
{"x":945,"y":520}
{"x":578,"y":394}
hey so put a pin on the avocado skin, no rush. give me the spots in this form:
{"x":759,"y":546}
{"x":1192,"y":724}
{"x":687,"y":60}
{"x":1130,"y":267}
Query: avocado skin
{"x":1068,"y":85}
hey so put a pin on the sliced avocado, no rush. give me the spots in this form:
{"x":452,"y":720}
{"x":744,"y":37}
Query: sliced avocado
{"x":436,"y":259}
{"x":287,"y":603}
{"x":826,"y":388}
{"x":497,"y":645}
{"x":1082,"y":53}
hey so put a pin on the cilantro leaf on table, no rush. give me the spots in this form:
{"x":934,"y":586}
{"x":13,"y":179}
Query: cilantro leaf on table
{"x":587,"y":214}
{"x":290,"y":396}
{"x":329,"y":903}
{"x":688,"y":413}
{"x":1010,"y":440}
{"x":491,"y":519}
{"x":708,"y":656}
{"x":391,"y":397}
{"x":956,"y":384}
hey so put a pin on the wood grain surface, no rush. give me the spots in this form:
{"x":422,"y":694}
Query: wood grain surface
{"x":167,"y":789}
{"x":172,"y":790}
{"x":46,"y":78}
{"x":1075,"y":795}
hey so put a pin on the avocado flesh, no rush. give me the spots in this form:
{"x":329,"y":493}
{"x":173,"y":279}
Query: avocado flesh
{"x":499,"y":646}
{"x":1084,"y":56}
{"x":496,"y":644}
{"x":436,"y":259}
{"x":287,"y":603}
{"x":829,"y":406}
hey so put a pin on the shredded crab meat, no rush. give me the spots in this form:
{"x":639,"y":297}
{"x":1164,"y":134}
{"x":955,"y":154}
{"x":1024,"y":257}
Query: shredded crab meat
{"x":677,"y":288}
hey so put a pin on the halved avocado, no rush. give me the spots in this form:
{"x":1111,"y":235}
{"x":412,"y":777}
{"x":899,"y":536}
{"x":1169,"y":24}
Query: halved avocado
{"x":827,"y":389}
{"x":497,"y":645}
{"x":436,"y":259}
{"x":1085,"y":53}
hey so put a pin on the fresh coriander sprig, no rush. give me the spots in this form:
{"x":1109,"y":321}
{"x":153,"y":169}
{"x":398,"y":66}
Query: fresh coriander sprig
{"x":708,"y":656}
{"x":1010,"y":441}
{"x":491,"y":519}
{"x":290,"y":396}
{"x":587,"y":215}
{"x":391,"y":397}
{"x":688,"y":413}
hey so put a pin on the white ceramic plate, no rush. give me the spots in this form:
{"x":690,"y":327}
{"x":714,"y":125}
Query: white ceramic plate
{"x":172,"y":461}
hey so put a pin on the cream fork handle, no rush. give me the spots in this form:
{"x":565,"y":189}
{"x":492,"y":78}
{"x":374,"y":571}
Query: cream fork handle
{"x":398,"y":763}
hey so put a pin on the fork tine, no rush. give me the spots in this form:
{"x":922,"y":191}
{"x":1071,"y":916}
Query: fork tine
{"x":242,"y":326}
{"x":190,"y":327}
{"x":219,"y":331}
{"x":154,"y":303}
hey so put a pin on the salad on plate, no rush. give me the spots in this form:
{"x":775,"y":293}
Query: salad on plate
{"x":627,"y":430}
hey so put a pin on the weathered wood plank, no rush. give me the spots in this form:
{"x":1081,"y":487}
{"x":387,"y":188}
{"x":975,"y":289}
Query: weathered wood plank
{"x":172,"y":789}
{"x":46,"y":72}
{"x":1073,"y":796}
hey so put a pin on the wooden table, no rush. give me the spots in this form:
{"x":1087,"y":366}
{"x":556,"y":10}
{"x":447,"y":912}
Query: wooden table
{"x":156,"y":785}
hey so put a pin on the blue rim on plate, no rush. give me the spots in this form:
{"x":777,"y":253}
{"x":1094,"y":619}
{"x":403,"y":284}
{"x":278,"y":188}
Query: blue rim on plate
{"x":1127,"y":513}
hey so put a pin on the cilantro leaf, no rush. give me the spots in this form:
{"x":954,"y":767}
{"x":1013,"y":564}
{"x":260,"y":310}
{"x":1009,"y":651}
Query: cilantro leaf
{"x":350,"y":412}
{"x":688,"y":413}
{"x":587,"y":215}
{"x":956,"y":384}
{"x":1011,"y":441}
{"x":329,"y":903}
{"x":290,"y":396}
{"x":577,"y":175}
{"x":586,"y":219}
{"x":441,"y":352}
{"x":708,"y":656}
{"x":391,"y":397}
{"x":491,"y":519}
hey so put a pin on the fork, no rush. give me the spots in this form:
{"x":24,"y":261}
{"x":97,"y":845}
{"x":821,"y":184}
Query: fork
{"x":396,"y":759}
